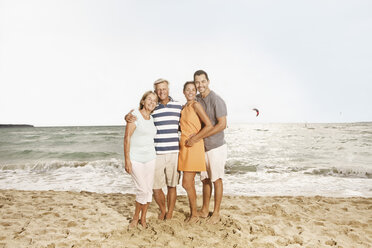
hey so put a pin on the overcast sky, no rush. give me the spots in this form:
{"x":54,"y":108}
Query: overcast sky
{"x":89,"y":62}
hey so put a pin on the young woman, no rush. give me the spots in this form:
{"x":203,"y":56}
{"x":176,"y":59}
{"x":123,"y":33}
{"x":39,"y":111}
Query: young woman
{"x":191,"y":157}
{"x":139,"y":154}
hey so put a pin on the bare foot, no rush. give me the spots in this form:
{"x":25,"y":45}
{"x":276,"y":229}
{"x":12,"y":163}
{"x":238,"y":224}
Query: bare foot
{"x":192,"y":220}
{"x":214,"y":219}
{"x":203,"y":214}
{"x":161,"y":216}
{"x":143,"y":223}
{"x":133,"y":223}
{"x":169,"y":216}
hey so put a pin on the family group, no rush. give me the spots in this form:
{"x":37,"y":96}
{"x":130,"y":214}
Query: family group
{"x":155,"y":153}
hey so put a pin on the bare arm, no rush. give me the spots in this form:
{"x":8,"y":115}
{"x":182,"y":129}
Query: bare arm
{"x":130,"y":118}
{"x":129,"y":129}
{"x":207,"y":125}
{"x":220,"y":126}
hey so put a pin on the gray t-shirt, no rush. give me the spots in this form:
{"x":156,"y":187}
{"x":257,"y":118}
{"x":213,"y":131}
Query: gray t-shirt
{"x":215,"y":108}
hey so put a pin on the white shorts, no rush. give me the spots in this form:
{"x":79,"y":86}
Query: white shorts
{"x":143,"y":178}
{"x":215,"y":160}
{"x":166,"y":173}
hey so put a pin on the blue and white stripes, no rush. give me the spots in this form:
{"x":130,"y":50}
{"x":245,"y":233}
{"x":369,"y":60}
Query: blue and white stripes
{"x":167,"y":119}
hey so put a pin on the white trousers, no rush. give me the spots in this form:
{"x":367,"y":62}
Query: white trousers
{"x":215,"y":160}
{"x":143,"y":178}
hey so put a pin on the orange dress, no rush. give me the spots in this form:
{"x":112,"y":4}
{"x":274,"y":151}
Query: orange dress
{"x":190,"y":158}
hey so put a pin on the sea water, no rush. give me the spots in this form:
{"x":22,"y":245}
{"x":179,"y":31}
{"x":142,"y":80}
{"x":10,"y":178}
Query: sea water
{"x":263,"y":159}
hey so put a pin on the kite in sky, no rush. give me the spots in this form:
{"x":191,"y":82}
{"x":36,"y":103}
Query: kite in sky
{"x":257,"y":111}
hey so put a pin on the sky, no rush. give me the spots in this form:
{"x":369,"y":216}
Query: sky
{"x":71,"y":62}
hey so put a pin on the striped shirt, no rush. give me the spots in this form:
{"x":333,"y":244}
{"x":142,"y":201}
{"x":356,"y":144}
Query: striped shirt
{"x":167,"y":120}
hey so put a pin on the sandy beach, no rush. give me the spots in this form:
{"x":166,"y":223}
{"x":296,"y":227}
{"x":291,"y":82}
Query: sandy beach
{"x":73,"y":219}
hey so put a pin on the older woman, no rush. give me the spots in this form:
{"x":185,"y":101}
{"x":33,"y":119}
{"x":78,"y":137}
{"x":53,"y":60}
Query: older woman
{"x":139,"y":153}
{"x":191,"y":158}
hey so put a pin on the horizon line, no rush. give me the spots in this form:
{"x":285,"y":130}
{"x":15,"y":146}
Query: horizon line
{"x":123,"y":125}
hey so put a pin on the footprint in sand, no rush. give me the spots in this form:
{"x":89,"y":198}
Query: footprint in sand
{"x":354,"y":237}
{"x":42,"y":231}
{"x":71,"y":224}
{"x":52,"y":245}
{"x":298,"y":240}
{"x":331,"y":242}
{"x":5,"y":224}
{"x":168,"y":229}
{"x":83,"y":234}
{"x":318,"y":223}
{"x":233,"y":208}
{"x":357,"y":224}
{"x":282,"y":241}
{"x":9,"y":203}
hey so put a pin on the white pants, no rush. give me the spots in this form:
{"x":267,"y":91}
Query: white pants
{"x":143,"y":178}
{"x":215,"y":160}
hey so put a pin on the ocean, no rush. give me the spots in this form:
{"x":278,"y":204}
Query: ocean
{"x":263,"y":159}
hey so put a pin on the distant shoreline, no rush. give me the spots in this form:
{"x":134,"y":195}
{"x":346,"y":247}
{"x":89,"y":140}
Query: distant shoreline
{"x":123,"y":125}
{"x":15,"y":125}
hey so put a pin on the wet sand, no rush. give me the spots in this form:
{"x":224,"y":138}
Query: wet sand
{"x":72,"y":219}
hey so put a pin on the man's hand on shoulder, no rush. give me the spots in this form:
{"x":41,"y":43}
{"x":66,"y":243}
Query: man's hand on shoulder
{"x":130,"y":118}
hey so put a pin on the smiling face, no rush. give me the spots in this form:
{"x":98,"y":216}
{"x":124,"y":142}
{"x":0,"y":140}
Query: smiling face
{"x":202,"y":83}
{"x":189,"y":91}
{"x":162,"y":91}
{"x":150,"y":102}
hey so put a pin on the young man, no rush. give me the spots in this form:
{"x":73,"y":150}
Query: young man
{"x":215,"y":146}
{"x":166,"y":119}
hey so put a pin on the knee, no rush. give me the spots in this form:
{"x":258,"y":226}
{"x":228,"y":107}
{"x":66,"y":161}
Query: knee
{"x":186,"y":185}
{"x":207,"y":181}
{"x":157,"y":192}
{"x":218,"y":181}
{"x":171,"y":189}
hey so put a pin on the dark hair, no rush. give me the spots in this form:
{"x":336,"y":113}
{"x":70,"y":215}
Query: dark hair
{"x":201,"y":72}
{"x":187,"y":83}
